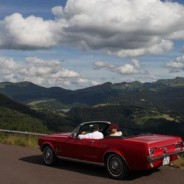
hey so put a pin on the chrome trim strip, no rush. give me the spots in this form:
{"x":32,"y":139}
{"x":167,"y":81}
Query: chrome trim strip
{"x":81,"y":161}
{"x":152,"y":159}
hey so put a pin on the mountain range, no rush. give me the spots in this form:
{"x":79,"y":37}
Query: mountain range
{"x":152,"y":106}
{"x":26,"y":92}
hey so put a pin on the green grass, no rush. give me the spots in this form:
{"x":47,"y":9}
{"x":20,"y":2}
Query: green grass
{"x":20,"y":140}
{"x":142,"y":118}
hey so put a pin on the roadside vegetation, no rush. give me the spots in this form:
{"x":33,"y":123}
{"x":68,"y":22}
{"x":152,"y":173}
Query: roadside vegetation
{"x":179,"y":163}
{"x":20,"y":140}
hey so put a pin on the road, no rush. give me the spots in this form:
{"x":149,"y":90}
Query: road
{"x":20,"y":165}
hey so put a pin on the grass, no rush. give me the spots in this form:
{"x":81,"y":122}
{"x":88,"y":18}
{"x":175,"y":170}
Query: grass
{"x":20,"y":140}
{"x":142,"y":118}
{"x":179,"y":163}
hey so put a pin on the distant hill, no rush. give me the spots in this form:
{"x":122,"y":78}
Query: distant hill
{"x":16,"y":116}
{"x":153,"y":107}
{"x":132,"y":119}
{"x":26,"y":92}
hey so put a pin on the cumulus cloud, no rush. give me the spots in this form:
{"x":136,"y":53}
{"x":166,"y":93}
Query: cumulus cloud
{"x":131,"y":68}
{"x":118,"y":27}
{"x":176,"y":65}
{"x":8,"y":65}
{"x":17,"y":32}
{"x":41,"y":72}
{"x":101,"y":64}
{"x":57,"y":11}
{"x":122,"y":28}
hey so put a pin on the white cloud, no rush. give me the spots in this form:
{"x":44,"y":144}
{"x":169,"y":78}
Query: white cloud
{"x":176,"y":65}
{"x":41,"y":72}
{"x":17,"y":32}
{"x":118,"y":27}
{"x":131,"y":68}
{"x":7,"y":66}
{"x":158,"y":48}
{"x":101,"y":64}
{"x":57,"y":11}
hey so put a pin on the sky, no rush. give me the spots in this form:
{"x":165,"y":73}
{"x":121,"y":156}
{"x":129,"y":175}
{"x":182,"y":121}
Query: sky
{"x":75,"y":44}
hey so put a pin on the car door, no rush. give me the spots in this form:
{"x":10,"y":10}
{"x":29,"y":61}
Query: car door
{"x":86,"y":149}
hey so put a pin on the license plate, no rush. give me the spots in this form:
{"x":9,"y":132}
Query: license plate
{"x":166,"y":160}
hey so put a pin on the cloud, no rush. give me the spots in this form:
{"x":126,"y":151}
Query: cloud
{"x":57,"y":11}
{"x":8,"y":65}
{"x":176,"y":65}
{"x":17,"y":32}
{"x":101,"y":64}
{"x":122,"y":28}
{"x":41,"y":72}
{"x":131,"y":68}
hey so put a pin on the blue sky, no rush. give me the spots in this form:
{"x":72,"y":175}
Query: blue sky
{"x":77,"y":43}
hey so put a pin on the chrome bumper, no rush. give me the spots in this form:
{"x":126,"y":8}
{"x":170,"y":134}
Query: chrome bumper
{"x":153,"y":159}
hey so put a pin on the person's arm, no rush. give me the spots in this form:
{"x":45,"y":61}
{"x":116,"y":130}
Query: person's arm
{"x":97,"y":135}
{"x":84,"y":136}
{"x":116,"y":134}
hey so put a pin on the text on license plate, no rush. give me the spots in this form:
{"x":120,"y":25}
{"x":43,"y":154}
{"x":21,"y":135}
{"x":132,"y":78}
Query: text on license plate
{"x":166,"y":160}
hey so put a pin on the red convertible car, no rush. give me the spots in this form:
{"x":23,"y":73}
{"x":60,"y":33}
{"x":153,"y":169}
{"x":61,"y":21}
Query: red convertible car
{"x":118,"y":154}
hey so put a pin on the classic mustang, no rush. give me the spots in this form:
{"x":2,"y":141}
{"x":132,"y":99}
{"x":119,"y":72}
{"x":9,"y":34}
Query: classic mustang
{"x":118,"y":154}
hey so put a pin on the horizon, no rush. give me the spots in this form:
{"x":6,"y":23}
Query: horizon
{"x":72,"y":45}
{"x":29,"y":82}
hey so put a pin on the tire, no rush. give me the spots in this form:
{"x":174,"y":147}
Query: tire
{"x":49,"y":156}
{"x":116,"y":167}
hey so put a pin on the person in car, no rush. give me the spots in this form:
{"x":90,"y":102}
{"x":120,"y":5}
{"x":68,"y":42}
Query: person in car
{"x":114,"y":128}
{"x":96,"y":134}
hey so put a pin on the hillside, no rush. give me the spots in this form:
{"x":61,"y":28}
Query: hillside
{"x":132,"y":119}
{"x":162,"y":94}
{"x":27,"y":92}
{"x":16,"y":116}
{"x":152,"y":107}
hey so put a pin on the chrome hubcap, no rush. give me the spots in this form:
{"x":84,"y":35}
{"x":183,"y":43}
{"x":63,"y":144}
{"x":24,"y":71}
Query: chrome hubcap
{"x":48,"y":155}
{"x":115,"y":166}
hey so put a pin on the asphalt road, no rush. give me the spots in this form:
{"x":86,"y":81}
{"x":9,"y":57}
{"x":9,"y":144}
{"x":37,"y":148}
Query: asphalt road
{"x":20,"y":165}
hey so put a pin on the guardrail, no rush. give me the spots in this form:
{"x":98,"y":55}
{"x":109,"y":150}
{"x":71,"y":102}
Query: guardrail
{"x":20,"y":132}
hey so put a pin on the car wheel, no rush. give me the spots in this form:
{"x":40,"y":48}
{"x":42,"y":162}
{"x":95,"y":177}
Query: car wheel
{"x":49,"y":156}
{"x":116,"y":166}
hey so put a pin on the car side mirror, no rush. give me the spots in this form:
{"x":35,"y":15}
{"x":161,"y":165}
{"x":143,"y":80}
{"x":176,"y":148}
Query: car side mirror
{"x":74,"y":135}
